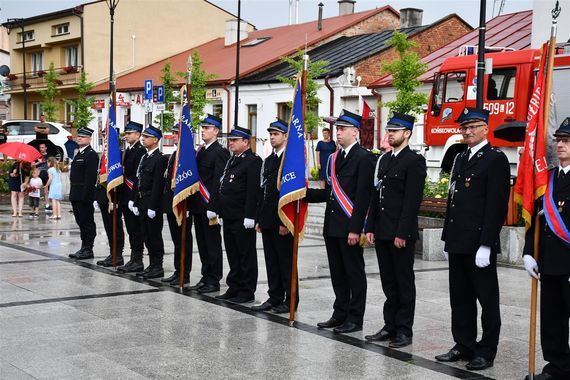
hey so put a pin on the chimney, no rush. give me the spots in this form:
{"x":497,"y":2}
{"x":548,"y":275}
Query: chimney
{"x":346,"y":7}
{"x":320,"y":22}
{"x":231,"y":31}
{"x":410,"y":17}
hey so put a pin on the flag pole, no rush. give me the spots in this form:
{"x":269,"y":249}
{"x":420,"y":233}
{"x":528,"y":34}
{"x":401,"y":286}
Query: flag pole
{"x":546,"y":113}
{"x":114,"y":197}
{"x":294,"y":274}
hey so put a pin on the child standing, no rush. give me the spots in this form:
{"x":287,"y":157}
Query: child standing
{"x":35,"y":185}
{"x":55,"y":187}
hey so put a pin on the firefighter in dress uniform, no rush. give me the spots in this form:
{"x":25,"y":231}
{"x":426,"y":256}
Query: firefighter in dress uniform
{"x":83,"y":178}
{"x":277,"y":241}
{"x":477,"y":206}
{"x":553,"y":267}
{"x":148,"y":202}
{"x":237,"y":206}
{"x":212,"y":158}
{"x":393,"y":227}
{"x":348,"y":196}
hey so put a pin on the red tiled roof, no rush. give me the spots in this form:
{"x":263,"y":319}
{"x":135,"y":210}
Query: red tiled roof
{"x":511,"y":30}
{"x":220,"y":60}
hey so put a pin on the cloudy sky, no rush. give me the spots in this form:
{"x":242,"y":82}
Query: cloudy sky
{"x":269,"y":13}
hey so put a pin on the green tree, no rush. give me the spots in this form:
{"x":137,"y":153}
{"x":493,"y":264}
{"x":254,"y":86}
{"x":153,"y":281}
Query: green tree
{"x":169,"y":82}
{"x":82,"y":114}
{"x":198,"y":89}
{"x":314,"y":70}
{"x":49,"y":106}
{"x":405,"y":71}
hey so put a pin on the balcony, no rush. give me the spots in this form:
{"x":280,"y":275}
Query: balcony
{"x":67,"y":77}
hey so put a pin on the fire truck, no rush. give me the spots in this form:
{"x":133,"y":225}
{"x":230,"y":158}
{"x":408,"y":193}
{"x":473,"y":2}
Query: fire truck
{"x":507,"y":92}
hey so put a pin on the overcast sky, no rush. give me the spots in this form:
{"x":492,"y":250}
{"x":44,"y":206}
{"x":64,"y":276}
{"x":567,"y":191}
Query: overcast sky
{"x":268,"y":13}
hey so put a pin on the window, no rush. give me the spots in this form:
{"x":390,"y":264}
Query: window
{"x":71,"y":56}
{"x":61,"y":29}
{"x":255,"y":42}
{"x":36,"y":111}
{"x":252,"y":118}
{"x":217,"y":110}
{"x":69,"y":110}
{"x":501,"y":84}
{"x":455,"y":87}
{"x":25,"y":36}
{"x":283,"y":111}
{"x":37,"y":59}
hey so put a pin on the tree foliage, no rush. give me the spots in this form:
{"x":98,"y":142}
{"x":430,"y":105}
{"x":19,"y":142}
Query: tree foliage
{"x":49,"y":106}
{"x":82,"y":114}
{"x":314,"y":70}
{"x":198,"y":89}
{"x":168,"y":118}
{"x":405,"y":71}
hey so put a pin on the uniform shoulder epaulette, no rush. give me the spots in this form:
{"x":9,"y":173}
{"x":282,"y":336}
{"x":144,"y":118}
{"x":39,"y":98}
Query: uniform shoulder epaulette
{"x":497,"y":150}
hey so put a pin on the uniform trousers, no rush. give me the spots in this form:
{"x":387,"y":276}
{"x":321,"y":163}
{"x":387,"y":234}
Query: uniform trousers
{"x":176,"y":235}
{"x":346,"y":263}
{"x":83,"y":213}
{"x":554,"y":314}
{"x":242,"y":257}
{"x":152,"y":232}
{"x":209,"y":240}
{"x":278,"y":251}
{"x":136,"y":241}
{"x":108,"y":224}
{"x":398,"y":283}
{"x":467,"y":285}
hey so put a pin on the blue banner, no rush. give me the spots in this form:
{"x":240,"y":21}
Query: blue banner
{"x":113,"y":152}
{"x":293,"y":172}
{"x":185,"y":180}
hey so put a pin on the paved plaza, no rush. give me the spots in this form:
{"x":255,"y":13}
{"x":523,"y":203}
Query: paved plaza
{"x":62,"y":319}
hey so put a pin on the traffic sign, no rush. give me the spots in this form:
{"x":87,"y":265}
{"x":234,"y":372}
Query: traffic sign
{"x":147,"y":107}
{"x":148,"y":89}
{"x":160,"y":107}
{"x":160,"y":94}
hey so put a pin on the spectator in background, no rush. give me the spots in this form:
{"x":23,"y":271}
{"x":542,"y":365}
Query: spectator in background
{"x":42,"y":129}
{"x":3,"y":134}
{"x":34,"y":192}
{"x":55,"y":187}
{"x":324,"y":149}
{"x":42,"y":165}
{"x":18,"y":176}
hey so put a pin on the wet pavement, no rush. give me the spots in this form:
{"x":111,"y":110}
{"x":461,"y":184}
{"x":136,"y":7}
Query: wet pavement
{"x":65,"y":319}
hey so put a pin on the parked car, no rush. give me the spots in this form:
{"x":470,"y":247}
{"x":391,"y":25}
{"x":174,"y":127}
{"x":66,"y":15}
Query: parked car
{"x":23,"y":131}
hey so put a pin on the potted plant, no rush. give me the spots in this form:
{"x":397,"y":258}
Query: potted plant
{"x":70,"y":69}
{"x":12,"y":77}
{"x":41,"y":73}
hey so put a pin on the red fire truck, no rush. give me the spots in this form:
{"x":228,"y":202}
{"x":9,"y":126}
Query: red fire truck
{"x":507,"y":93}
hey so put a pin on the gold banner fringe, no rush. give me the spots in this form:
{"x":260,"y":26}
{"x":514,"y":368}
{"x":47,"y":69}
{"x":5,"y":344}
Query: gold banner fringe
{"x":182,"y":196}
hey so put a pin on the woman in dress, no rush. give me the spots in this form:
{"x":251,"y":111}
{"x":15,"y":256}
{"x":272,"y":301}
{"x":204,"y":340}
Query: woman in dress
{"x":54,"y":185}
{"x":325,"y":148}
{"x":17,"y":182}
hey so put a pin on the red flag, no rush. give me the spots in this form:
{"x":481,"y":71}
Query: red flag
{"x":103,"y":168}
{"x":533,"y":169}
{"x":365,"y":110}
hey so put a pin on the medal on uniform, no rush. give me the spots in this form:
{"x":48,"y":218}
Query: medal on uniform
{"x":560,"y":206}
{"x":467,"y":184}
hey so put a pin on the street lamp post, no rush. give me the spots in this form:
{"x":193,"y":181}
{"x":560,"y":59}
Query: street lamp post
{"x":20,"y":23}
{"x":481,"y":56}
{"x":112,"y":4}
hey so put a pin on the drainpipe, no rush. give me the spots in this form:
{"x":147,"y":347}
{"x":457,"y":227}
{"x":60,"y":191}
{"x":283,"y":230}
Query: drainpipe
{"x":78,"y":11}
{"x":331,"y":97}
{"x":378,"y":118}
{"x":225,"y":87}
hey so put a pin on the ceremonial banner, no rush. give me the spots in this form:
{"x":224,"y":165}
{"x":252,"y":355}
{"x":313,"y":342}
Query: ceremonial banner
{"x":292,"y":178}
{"x":185,"y":180}
{"x":113,"y":164}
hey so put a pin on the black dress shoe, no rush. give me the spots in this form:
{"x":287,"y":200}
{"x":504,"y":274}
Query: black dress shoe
{"x":87,"y":253}
{"x":108,"y":262}
{"x":263,"y":307}
{"x":144,"y":271}
{"x":332,"y":322}
{"x":542,"y":376}
{"x":131,"y":267}
{"x":209,"y":288}
{"x":170,"y":278}
{"x":281,"y":309}
{"x":176,"y":281}
{"x":241,"y":299}
{"x":381,"y":336}
{"x":452,"y":356}
{"x":74,"y":255}
{"x":197,"y":286}
{"x":478,"y":363}
{"x":347,"y":327}
{"x":154,"y":273}
{"x":401,"y":340}
{"x":225,"y":296}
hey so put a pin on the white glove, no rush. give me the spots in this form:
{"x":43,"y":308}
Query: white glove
{"x":220,"y":221}
{"x":210,"y":214}
{"x":482,"y":256}
{"x":531,"y":266}
{"x":136,"y":211}
{"x":248,"y":223}
{"x":151,"y":213}
{"x":446,"y":255}
{"x":96,"y":205}
{"x":131,"y":206}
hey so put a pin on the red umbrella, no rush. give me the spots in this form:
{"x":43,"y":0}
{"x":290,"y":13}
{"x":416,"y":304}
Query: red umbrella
{"x":20,"y":151}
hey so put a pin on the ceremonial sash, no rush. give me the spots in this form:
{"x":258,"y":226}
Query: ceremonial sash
{"x":130,"y":184}
{"x":339,"y":194}
{"x":204,"y":191}
{"x":552,"y":214}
